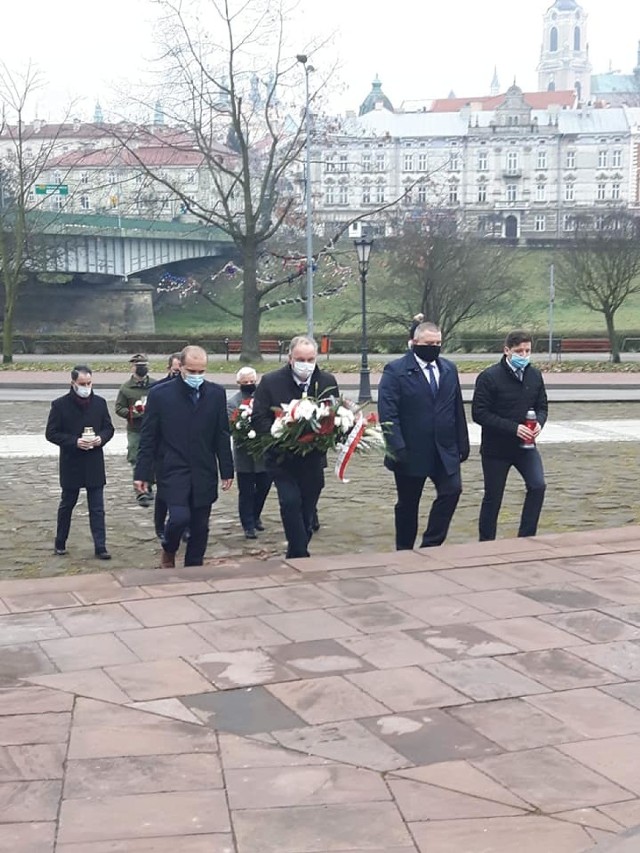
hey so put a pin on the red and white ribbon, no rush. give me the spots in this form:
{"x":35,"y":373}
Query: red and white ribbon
{"x":349,"y":447}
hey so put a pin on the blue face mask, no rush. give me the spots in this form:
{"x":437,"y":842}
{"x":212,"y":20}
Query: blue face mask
{"x":194,"y":380}
{"x":519,"y":361}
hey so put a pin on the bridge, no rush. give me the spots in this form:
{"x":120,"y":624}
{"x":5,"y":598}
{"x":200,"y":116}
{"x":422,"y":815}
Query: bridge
{"x":119,"y":246}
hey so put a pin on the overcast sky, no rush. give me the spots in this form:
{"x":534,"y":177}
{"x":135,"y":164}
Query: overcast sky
{"x":419,"y":49}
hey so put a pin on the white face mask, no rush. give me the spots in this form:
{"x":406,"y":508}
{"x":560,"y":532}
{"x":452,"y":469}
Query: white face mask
{"x":82,"y":390}
{"x":303,"y":369}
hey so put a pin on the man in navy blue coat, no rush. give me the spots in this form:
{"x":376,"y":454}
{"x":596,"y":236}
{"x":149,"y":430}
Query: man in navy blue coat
{"x":187,"y":429}
{"x":420,"y":405}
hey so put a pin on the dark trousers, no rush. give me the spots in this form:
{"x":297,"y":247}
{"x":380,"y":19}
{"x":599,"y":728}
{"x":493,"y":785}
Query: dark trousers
{"x":409,"y":489}
{"x":529,"y":465}
{"x":252,"y":493}
{"x":196,"y":519}
{"x":298,"y":490}
{"x":95,"y":502}
{"x":160,"y":510}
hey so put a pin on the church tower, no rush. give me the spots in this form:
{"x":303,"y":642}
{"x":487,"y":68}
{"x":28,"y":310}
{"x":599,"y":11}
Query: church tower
{"x":564,"y":58}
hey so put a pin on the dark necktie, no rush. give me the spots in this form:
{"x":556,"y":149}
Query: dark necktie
{"x":519,"y":373}
{"x":431,"y":376}
{"x":195,"y":396}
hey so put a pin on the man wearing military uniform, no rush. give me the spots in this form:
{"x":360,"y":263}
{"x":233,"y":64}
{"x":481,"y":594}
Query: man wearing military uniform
{"x":130,"y":405}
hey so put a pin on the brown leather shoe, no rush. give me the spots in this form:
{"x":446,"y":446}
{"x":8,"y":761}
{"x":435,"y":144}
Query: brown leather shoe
{"x":167,"y":560}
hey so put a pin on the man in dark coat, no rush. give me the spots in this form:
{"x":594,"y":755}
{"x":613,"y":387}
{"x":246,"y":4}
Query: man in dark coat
{"x":298,"y":479}
{"x":79,"y":423}
{"x":187,"y":428}
{"x":503,"y":394}
{"x":130,"y":405}
{"x":254,"y":481}
{"x":160,"y":507}
{"x":420,"y":406}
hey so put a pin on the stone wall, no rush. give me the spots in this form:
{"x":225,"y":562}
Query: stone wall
{"x":104,"y":309}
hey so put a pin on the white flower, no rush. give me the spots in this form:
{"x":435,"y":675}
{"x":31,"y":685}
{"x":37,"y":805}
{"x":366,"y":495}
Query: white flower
{"x":305,"y":410}
{"x":277,"y":427}
{"x":251,"y":433}
{"x":323,"y":411}
{"x":245,"y":413}
{"x":238,"y":425}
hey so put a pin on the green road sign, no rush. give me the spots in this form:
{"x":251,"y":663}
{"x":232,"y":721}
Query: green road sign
{"x":52,"y":189}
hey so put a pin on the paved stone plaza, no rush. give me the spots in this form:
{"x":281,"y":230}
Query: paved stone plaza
{"x":467,"y":699}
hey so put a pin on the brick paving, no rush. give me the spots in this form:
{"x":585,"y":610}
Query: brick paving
{"x":475,"y":698}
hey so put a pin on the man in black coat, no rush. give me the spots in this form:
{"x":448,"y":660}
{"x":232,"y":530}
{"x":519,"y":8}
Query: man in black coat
{"x":298,"y":479}
{"x":503,"y":394}
{"x":186,"y":427}
{"x":79,"y":423}
{"x":420,"y":406}
{"x":159,"y":506}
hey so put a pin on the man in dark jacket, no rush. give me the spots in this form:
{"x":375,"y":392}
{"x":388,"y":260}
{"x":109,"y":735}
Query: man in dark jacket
{"x":80,"y":425}
{"x":186,"y":426}
{"x":253,"y":479}
{"x":503,"y":394}
{"x":420,"y":406}
{"x":159,"y":506}
{"x":298,"y":479}
{"x":130,"y":405}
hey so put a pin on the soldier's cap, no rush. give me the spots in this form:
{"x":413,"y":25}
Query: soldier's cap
{"x":139,"y":358}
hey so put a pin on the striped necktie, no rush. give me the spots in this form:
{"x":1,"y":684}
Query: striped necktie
{"x":431,"y":376}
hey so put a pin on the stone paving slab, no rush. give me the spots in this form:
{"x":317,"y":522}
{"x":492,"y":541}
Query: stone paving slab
{"x":479,"y":698}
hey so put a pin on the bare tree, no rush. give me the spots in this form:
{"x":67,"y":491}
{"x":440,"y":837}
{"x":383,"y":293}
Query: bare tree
{"x":24,"y":159}
{"x":445,"y":272}
{"x":600,"y":266}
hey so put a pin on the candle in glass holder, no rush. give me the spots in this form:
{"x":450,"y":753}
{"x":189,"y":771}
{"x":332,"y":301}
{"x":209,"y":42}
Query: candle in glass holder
{"x":88,"y":433}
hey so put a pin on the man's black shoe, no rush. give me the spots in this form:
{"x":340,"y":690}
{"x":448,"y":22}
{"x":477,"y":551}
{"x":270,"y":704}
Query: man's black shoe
{"x":145,"y":499}
{"x":103,"y":555}
{"x":250,"y":533}
{"x":61,"y":552}
{"x":259,"y":525}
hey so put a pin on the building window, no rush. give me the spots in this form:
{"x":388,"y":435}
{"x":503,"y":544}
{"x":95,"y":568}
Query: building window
{"x":542,"y":159}
{"x":58,"y":202}
{"x":422,"y":193}
{"x":453,"y":192}
{"x":454,"y":161}
{"x":616,"y":160}
{"x":570,"y":161}
{"x":568,"y":222}
{"x":380,"y":193}
{"x":343,"y":194}
{"x":84,"y":178}
{"x":576,"y":38}
{"x":422,"y":162}
{"x":343,"y":164}
{"x":603,"y":158}
{"x":407,"y":163}
{"x":85,"y":202}
{"x":366,"y":194}
{"x":615,"y":191}
{"x":57,"y":178}
{"x":483,"y":161}
{"x":366,"y":163}
{"x":512,"y":192}
{"x":569,"y":192}
{"x":601,"y":191}
{"x":541,"y":192}
{"x":381,"y":162}
{"x":328,"y":194}
{"x":512,"y":162}
{"x":482,"y":193}
{"x":553,"y":40}
{"x":600,"y":220}
{"x":112,"y":178}
{"x":540,"y":222}
{"x":329,"y":163}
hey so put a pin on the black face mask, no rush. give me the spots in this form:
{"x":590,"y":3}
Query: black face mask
{"x":248,"y":390}
{"x":427,"y":352}
{"x":141,"y":370}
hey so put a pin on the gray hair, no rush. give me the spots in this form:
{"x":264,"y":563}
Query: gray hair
{"x":425,"y":327}
{"x":302,"y":339}
{"x":244,"y":372}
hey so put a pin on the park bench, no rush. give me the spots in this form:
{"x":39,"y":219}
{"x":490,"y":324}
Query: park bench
{"x":268,"y":346}
{"x":580,"y":345}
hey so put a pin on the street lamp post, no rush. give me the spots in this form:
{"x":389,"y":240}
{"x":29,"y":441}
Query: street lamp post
{"x":363,"y":248}
{"x":303,"y":60}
